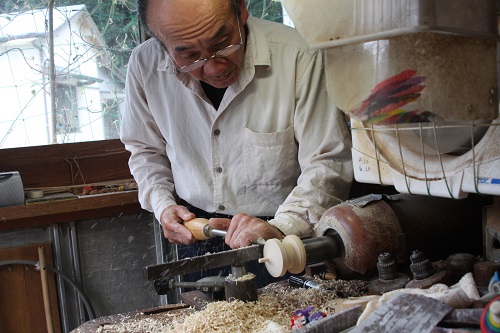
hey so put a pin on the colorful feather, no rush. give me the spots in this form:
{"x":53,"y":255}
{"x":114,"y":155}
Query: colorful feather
{"x":384,"y":105}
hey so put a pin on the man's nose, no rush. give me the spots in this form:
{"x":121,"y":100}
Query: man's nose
{"x":215,"y":66}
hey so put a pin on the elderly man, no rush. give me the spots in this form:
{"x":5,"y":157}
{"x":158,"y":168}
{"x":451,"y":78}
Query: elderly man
{"x":227,"y":117}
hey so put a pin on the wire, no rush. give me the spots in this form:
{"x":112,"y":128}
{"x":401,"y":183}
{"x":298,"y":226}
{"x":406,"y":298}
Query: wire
{"x":86,"y":302}
{"x":407,"y":180}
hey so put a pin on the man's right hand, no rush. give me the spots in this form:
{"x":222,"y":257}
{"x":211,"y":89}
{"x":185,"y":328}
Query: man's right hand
{"x":171,"y":220}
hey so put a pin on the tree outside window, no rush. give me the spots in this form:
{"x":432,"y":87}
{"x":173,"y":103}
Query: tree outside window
{"x":93,"y":40}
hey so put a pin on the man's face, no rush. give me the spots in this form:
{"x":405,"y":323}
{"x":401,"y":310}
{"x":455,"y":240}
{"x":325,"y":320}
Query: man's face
{"x":192,"y":30}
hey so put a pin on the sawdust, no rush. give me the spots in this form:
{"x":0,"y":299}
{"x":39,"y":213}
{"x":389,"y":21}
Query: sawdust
{"x":271,"y":313}
{"x":246,"y":277}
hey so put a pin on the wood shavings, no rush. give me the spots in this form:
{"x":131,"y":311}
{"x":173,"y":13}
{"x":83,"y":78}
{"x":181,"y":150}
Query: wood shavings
{"x":300,"y":298}
{"x":345,"y":288}
{"x":222,"y":316}
{"x":271,"y":313}
{"x":246,"y":277}
{"x":236,"y":316}
{"x":146,"y":325}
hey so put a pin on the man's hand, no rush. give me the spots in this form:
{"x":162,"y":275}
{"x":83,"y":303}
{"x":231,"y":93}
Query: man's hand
{"x":171,"y":219}
{"x":243,"y":230}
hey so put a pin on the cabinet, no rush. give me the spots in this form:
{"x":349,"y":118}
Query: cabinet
{"x":101,"y":242}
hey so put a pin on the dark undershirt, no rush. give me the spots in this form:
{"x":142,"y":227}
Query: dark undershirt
{"x":215,"y":95}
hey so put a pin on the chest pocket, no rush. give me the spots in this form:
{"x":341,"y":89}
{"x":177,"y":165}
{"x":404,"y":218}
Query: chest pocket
{"x":270,"y":158}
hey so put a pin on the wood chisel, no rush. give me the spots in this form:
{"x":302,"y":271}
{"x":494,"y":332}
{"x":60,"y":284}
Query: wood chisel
{"x":201,"y":230}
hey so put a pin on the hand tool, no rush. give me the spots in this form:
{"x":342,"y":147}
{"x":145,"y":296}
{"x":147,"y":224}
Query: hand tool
{"x":302,"y":282}
{"x":164,"y":308}
{"x":163,"y":286}
{"x":237,"y":258}
{"x":201,"y":230}
{"x":317,"y":249}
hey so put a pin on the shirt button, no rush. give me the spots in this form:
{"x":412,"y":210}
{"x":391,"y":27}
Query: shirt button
{"x":222,"y":208}
{"x":218,"y":170}
{"x":217,"y":132}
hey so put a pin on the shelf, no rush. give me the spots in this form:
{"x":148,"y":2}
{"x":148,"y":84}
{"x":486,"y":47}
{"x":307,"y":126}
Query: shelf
{"x":91,"y":207}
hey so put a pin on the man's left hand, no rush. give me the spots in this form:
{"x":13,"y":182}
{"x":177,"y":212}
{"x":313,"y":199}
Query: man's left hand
{"x":243,"y":230}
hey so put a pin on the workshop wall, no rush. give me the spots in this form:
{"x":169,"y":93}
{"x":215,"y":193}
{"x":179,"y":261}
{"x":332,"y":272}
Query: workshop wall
{"x":113,"y":253}
{"x":103,"y":256}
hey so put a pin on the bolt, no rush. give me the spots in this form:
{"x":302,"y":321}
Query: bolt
{"x":424,"y":274}
{"x":389,"y":279}
{"x":421,"y":267}
{"x":386,"y":266}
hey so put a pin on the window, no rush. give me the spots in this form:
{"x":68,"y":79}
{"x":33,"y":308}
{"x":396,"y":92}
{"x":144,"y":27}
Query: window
{"x":66,"y":109}
{"x":92,"y":41}
{"x":111,"y":114}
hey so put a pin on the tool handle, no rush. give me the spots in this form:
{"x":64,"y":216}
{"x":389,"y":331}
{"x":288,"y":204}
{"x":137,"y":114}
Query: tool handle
{"x":196,"y":226}
{"x":302,"y":282}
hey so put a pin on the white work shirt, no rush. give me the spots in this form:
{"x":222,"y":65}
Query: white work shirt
{"x":277,"y":145}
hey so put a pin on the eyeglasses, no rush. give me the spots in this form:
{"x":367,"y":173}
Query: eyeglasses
{"x":225,"y":52}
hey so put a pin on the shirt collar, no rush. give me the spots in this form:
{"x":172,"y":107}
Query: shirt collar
{"x":258,"y":49}
{"x":167,"y":63}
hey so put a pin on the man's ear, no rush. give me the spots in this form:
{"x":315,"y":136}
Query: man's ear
{"x":243,"y":12}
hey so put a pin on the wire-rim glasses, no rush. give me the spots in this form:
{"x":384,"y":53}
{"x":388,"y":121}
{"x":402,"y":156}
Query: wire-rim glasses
{"x":225,"y":52}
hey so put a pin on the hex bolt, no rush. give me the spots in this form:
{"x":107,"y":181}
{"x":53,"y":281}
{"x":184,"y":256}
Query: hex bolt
{"x":424,"y":274}
{"x":386,"y":266}
{"x":389,"y":279}
{"x":420,"y":266}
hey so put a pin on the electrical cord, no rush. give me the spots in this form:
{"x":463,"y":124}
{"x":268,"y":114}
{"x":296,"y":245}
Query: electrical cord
{"x":86,"y":302}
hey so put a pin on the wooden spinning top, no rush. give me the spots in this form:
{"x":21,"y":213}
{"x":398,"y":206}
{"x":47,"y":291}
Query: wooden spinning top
{"x":286,"y":255}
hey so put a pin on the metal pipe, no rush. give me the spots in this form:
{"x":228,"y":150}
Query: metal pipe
{"x":238,"y":271}
{"x":163,"y":287}
{"x":61,"y":290}
{"x":215,"y":232}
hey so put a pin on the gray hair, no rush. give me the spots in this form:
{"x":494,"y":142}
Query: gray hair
{"x":142,"y":8}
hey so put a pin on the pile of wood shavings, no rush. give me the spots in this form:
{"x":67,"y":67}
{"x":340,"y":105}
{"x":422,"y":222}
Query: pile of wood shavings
{"x":237,"y":316}
{"x":142,"y":325}
{"x":271,"y":313}
{"x":345,"y":288}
